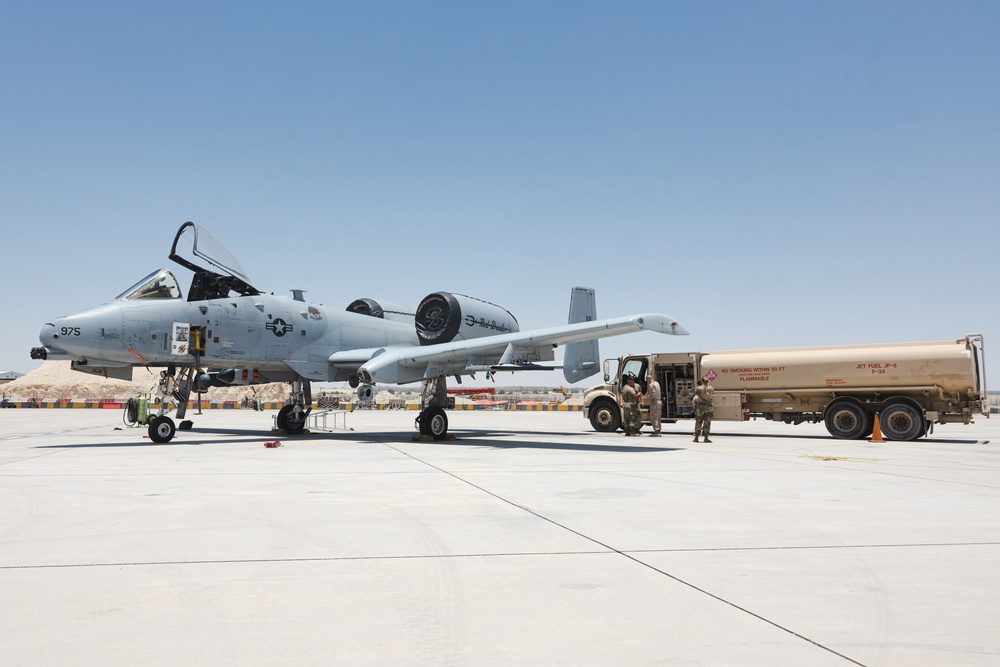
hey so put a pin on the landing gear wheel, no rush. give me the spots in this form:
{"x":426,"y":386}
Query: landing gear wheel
{"x":847,"y":420}
{"x":291,"y":420}
{"x":434,"y":422}
{"x":161,"y":429}
{"x":901,"y":421}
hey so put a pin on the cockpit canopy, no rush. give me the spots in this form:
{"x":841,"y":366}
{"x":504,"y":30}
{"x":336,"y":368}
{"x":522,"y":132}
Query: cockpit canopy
{"x":216,"y":271}
{"x":159,"y":284}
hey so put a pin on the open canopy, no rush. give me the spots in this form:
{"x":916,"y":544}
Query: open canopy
{"x":216,"y":269}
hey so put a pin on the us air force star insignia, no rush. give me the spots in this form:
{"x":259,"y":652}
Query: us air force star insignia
{"x":279,"y":327}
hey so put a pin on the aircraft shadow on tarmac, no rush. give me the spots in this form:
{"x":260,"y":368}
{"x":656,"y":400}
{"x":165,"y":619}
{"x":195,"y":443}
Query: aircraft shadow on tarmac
{"x":510,"y":440}
{"x":471,"y":438}
{"x":199,"y":437}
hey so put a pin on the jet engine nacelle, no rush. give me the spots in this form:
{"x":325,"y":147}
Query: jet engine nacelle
{"x":381,"y":309}
{"x":443,"y":317}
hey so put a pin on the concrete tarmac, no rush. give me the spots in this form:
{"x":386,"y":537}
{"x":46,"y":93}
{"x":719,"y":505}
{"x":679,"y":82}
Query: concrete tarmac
{"x":531,"y":539}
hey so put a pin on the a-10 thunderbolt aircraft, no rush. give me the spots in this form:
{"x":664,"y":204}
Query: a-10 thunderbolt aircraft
{"x":226,"y":332}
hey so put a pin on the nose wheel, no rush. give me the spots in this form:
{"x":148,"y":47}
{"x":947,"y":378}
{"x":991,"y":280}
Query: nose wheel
{"x":161,"y":429}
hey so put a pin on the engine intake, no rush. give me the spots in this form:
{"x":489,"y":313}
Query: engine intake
{"x":442,"y":317}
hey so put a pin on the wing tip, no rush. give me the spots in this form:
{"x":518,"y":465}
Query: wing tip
{"x":661,"y":323}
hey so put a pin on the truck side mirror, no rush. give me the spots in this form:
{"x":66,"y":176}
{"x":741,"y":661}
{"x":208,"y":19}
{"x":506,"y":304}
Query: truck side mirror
{"x":607,"y":371}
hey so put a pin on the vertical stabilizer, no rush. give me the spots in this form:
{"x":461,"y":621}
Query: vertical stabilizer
{"x":581,"y":360}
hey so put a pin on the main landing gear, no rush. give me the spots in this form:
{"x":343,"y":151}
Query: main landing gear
{"x":292,"y":417}
{"x":432,"y":420}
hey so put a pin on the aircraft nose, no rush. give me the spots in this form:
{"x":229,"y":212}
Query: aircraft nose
{"x":49,"y":334}
{"x":48,"y":337}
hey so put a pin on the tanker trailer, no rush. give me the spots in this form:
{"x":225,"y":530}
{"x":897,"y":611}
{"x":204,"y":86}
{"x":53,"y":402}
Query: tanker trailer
{"x":910,"y":386}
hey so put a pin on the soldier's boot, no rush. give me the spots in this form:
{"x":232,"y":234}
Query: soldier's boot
{"x":706,"y":435}
{"x":696,"y":437}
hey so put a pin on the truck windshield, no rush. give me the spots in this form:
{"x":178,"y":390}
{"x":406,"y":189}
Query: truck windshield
{"x":636,"y":367}
{"x":159,"y":284}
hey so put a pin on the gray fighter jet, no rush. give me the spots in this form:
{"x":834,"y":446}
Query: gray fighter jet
{"x":226,"y":332}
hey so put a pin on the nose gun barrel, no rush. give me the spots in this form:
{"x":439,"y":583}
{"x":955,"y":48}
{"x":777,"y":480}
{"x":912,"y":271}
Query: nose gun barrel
{"x":48,"y":354}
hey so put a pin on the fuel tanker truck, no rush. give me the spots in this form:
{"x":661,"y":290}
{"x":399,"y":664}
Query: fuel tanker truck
{"x":910,"y":386}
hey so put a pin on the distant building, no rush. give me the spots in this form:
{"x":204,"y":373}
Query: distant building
{"x":9,"y":376}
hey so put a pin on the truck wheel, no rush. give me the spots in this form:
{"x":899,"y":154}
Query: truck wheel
{"x":901,"y":421}
{"x":604,"y":415}
{"x":847,"y":420}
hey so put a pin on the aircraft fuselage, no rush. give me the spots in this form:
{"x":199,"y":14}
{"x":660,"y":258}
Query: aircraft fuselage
{"x":278,"y":335}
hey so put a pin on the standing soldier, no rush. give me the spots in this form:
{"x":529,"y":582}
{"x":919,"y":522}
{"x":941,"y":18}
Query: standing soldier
{"x":631,"y":398}
{"x":703,"y":409}
{"x":655,"y":404}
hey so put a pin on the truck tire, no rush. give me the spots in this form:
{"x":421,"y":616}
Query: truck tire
{"x":901,"y":421}
{"x":847,"y":420}
{"x":604,"y":415}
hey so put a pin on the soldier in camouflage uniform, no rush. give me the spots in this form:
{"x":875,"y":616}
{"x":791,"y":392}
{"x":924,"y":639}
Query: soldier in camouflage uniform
{"x":631,"y":397}
{"x":703,"y":409}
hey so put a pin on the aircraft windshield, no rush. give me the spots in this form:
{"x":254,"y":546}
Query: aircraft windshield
{"x":157,"y":285}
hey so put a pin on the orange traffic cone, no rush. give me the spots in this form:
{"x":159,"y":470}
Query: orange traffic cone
{"x":876,"y":431}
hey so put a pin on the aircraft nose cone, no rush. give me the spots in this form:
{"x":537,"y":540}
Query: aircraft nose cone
{"x":49,"y":334}
{"x":48,"y":337}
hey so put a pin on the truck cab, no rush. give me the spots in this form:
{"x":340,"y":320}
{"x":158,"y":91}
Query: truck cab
{"x":677,"y":373}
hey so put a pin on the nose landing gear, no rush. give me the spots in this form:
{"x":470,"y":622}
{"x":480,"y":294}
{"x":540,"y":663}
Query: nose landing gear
{"x":176,"y":385}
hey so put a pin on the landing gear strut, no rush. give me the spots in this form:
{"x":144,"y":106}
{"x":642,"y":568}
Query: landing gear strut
{"x":176,"y":385}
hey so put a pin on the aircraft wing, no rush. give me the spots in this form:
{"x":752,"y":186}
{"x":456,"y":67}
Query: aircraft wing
{"x":523,"y":348}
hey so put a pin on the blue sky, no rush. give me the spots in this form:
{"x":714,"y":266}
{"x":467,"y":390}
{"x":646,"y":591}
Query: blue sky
{"x":769,"y":173}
